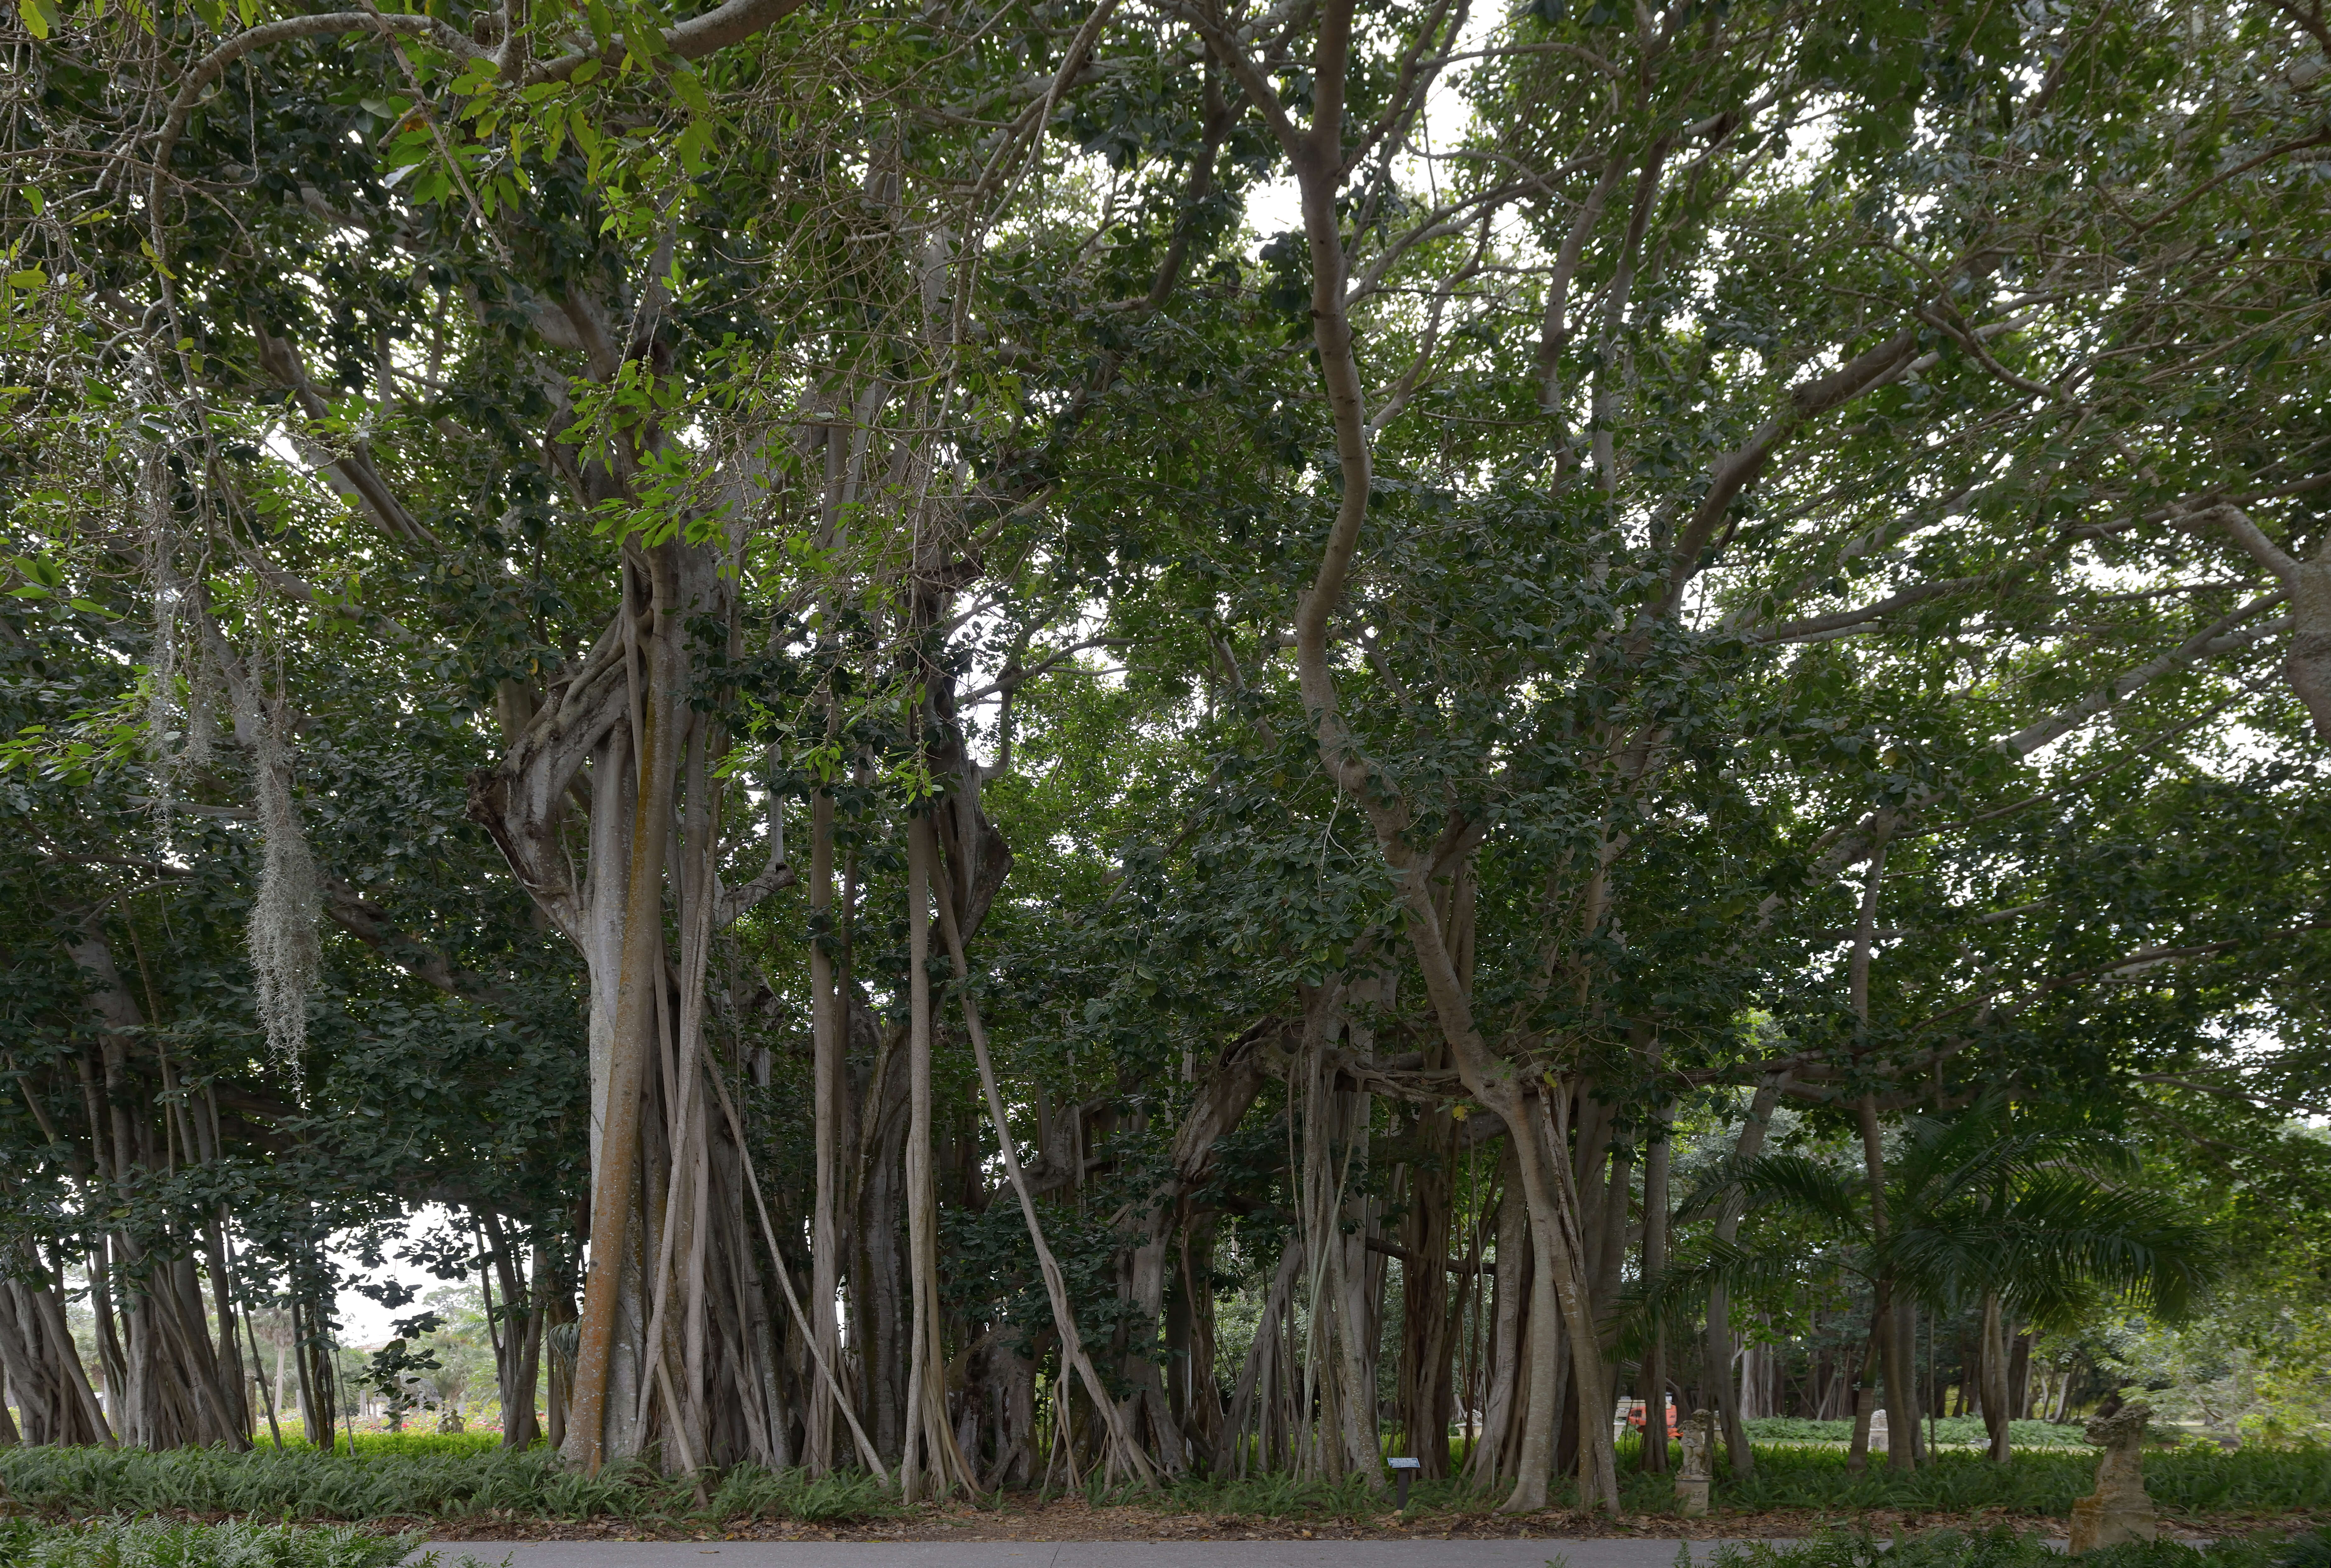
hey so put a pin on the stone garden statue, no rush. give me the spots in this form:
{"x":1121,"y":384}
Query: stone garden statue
{"x":2120,"y":1510}
{"x":1697,"y":1435}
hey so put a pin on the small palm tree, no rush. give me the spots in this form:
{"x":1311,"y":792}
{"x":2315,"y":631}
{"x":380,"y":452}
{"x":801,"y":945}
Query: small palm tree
{"x":2030,"y":1220}
{"x":2038,"y":1223}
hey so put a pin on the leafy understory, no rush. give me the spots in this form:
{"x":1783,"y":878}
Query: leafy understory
{"x":162,"y":1544}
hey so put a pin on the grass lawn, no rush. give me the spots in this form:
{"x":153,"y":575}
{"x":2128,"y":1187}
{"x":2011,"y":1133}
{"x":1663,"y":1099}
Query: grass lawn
{"x":1949,"y":1432}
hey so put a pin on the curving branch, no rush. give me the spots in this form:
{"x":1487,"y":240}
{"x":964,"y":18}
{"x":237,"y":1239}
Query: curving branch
{"x":325,"y":25}
{"x":1808,"y":400}
{"x":522,"y":801}
{"x":778,"y":874}
{"x":2229,"y":633}
{"x":353,"y":474}
{"x":693,"y":39}
{"x":2307,"y":582}
{"x":369,"y":924}
{"x":1818,"y":627}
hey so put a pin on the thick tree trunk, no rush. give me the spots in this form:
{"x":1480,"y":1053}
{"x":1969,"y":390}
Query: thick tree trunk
{"x":1503,"y":1405}
{"x":879,"y":1301}
{"x":42,"y":1367}
{"x":598,"y":1430}
{"x":663,"y":1355}
{"x":1201,"y":1414}
{"x":1559,"y":1301}
{"x":1223,"y":1096}
{"x":1255,"y":1397}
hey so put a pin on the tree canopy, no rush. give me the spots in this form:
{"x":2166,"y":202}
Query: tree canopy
{"x":791,"y":660}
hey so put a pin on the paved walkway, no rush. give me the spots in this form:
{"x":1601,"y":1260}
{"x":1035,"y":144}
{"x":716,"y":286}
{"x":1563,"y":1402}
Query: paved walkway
{"x":1587,"y":1553}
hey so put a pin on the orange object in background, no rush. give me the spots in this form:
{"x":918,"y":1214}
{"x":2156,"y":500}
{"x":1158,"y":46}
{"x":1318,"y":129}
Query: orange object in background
{"x":1635,"y":1416}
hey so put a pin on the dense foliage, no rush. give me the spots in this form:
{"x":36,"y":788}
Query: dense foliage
{"x":957,"y":812}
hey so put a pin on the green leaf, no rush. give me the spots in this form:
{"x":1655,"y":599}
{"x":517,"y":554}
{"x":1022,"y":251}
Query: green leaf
{"x":690,"y":88}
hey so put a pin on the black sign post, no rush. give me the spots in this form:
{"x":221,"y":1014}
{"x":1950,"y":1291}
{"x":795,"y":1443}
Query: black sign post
{"x":1402,"y":1470}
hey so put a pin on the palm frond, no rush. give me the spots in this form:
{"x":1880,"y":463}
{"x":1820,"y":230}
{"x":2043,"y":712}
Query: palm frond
{"x":1822,"y":1191}
{"x":1676,"y":1293}
{"x":2060,"y":1226}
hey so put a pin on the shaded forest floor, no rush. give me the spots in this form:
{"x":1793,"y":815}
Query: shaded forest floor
{"x":1076,"y":1519}
{"x":118,"y":1543}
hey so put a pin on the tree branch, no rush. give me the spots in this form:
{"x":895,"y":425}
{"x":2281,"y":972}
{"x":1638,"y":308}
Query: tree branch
{"x":2251,"y":1096}
{"x":1843,"y":620}
{"x":2223,"y":635}
{"x":369,"y":924}
{"x":690,"y":39}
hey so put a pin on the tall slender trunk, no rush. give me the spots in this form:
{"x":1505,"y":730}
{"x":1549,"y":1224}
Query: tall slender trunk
{"x":1893,"y":1354}
{"x":517,"y":1347}
{"x":1502,"y":1402}
{"x":1901,"y":1409}
{"x":880,"y":1306}
{"x":1123,"y":1455}
{"x":932,"y":1460}
{"x":1721,"y":1346}
{"x":1653,"y":1383}
{"x":1425,"y":1400}
{"x":828,"y":1112}
{"x":1202,"y":1413}
{"x":1864,"y":1384}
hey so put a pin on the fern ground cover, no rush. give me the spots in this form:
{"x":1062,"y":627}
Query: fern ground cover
{"x":427,"y":1476}
{"x":169,"y":1543}
{"x":1790,"y":1479}
{"x":2005,"y":1547}
{"x":411,"y":1477}
{"x":2193,"y":1480}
